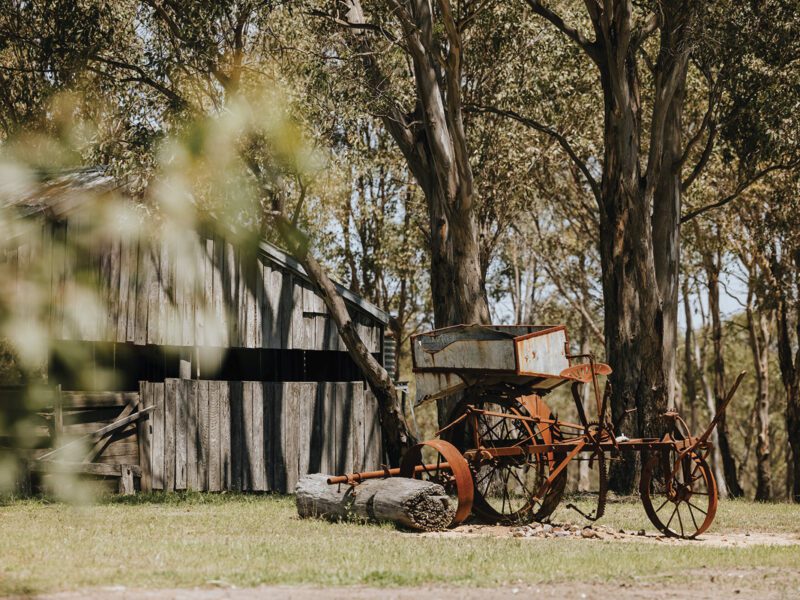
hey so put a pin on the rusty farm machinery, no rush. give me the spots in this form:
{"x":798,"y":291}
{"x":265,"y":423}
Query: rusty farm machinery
{"x":503,"y":454}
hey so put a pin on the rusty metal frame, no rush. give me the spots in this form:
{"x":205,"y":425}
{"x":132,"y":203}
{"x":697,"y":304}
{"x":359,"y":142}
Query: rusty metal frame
{"x":597,"y":437}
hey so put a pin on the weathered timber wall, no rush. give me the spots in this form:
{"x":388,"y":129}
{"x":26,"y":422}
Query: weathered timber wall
{"x":252,"y":435}
{"x":219,"y":297}
{"x":66,"y":416}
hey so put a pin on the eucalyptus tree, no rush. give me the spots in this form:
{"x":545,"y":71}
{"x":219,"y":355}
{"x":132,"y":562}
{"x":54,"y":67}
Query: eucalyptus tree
{"x":427,"y":124}
{"x":651,"y":64}
{"x":420,"y":67}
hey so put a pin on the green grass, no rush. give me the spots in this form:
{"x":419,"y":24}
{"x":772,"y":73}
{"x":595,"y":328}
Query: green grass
{"x":198,"y":539}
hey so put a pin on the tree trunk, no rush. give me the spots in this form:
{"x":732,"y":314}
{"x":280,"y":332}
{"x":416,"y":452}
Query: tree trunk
{"x":689,"y":375}
{"x":634,"y":323}
{"x":411,"y":503}
{"x":584,"y":481}
{"x":712,"y":267}
{"x":666,"y":236}
{"x":639,"y":207}
{"x":789,"y":361}
{"x":759,"y":344}
{"x":433,"y":141}
{"x":793,"y":435}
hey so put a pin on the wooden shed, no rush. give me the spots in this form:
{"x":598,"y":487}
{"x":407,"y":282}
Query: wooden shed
{"x":234,"y":380}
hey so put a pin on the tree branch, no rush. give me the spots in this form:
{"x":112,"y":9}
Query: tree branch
{"x":702,"y":161}
{"x":142,"y":77}
{"x":562,"y":141}
{"x":589,"y":47}
{"x":740,"y":189}
{"x":644,"y":30}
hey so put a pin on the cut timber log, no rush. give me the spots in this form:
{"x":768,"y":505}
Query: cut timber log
{"x":407,"y":502}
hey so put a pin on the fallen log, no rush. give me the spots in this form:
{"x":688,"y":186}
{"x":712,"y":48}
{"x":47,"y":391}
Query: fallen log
{"x":411,"y":503}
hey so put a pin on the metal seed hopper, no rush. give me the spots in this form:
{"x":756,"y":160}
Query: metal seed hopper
{"x":503,"y":455}
{"x":452,"y":359}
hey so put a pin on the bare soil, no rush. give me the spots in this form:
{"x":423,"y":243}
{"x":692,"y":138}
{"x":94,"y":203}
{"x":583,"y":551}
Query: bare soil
{"x":703,"y":584}
{"x":602,"y":532}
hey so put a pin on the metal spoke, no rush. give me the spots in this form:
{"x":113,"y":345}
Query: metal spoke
{"x":492,"y":469}
{"x":522,"y":485}
{"x":672,"y":516}
{"x":662,"y":505}
{"x":691,"y":512}
{"x":697,"y":507}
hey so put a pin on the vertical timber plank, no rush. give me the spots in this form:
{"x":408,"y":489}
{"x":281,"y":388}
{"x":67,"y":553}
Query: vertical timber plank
{"x":357,"y":424}
{"x":133,"y":270}
{"x":214,"y":454}
{"x":203,"y":434}
{"x":113,"y":291}
{"x":190,"y":397}
{"x":181,"y":427}
{"x":166,"y":296}
{"x":124,"y":276}
{"x":258,"y":466}
{"x":291,"y":394}
{"x":305,"y":422}
{"x":273,"y":281}
{"x":344,"y":446}
{"x":144,"y":437}
{"x":236,"y":435}
{"x":233,"y":281}
{"x":286,"y":310}
{"x":153,"y":286}
{"x":217,"y":290}
{"x":170,"y":405}
{"x":298,"y":327}
{"x":142,"y":293}
{"x":157,"y":449}
{"x":329,"y":433}
{"x":373,"y":450}
{"x":247,"y":435}
{"x":226,"y":469}
{"x":212,"y":323}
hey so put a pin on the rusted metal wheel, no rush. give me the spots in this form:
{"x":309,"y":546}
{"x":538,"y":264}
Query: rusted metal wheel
{"x":506,"y":487}
{"x":441,"y":462}
{"x":679,"y":493}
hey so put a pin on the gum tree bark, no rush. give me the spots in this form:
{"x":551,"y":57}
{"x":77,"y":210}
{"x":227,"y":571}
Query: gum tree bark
{"x":712,"y":267}
{"x":758,"y":328}
{"x":433,"y":141}
{"x":788,"y":314}
{"x":690,"y":384}
{"x":638,"y":197}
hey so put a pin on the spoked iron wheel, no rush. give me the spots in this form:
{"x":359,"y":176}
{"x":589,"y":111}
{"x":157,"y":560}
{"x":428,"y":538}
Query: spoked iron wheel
{"x":679,"y":493}
{"x":505,"y":487}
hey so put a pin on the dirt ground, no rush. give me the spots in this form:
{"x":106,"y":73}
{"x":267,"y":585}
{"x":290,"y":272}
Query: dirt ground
{"x":700,"y":585}
{"x":601,"y":532}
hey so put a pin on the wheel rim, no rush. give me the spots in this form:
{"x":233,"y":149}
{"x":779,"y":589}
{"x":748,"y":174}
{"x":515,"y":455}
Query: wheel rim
{"x":505,"y":487}
{"x":679,"y":493}
{"x":456,"y":478}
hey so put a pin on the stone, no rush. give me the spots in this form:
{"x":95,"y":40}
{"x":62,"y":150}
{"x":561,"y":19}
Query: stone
{"x":589,"y":533}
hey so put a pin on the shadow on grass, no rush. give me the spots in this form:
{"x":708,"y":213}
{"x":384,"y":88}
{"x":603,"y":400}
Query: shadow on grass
{"x":192,"y":498}
{"x":154,"y":498}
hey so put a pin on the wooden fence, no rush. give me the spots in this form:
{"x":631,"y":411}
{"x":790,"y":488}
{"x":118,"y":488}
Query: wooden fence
{"x":252,"y":435}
